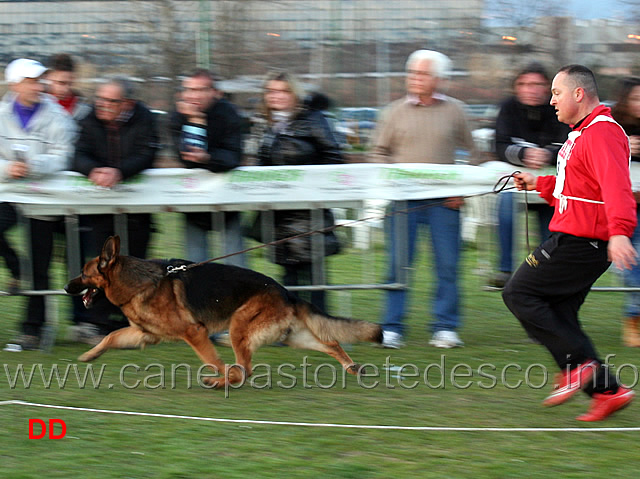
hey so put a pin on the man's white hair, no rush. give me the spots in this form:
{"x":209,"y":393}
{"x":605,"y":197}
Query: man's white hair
{"x":440,"y":63}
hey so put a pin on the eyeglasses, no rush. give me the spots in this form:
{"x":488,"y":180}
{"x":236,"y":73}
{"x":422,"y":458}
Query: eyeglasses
{"x":197,"y":90}
{"x":273,"y":91}
{"x":58,"y":82}
{"x":420,"y":73}
{"x":111,"y":101}
{"x":531,"y":84}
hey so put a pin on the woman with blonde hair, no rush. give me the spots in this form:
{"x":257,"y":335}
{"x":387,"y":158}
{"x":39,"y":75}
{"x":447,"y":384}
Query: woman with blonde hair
{"x":288,"y":133}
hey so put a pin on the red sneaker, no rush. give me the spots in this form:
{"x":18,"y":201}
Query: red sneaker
{"x":567,"y":384}
{"x":604,"y":405}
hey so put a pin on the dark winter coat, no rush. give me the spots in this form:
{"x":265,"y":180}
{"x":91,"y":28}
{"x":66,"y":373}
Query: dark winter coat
{"x":520,"y":126}
{"x":130,"y":148}
{"x":224,"y":137}
{"x":306,"y":140}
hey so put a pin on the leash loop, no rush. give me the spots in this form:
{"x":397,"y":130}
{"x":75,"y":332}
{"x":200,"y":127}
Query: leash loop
{"x":501,"y":185}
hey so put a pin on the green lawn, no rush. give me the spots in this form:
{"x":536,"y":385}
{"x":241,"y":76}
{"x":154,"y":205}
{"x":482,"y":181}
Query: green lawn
{"x":120,"y":446}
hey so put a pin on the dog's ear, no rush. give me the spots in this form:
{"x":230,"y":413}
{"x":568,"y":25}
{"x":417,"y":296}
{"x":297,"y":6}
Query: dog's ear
{"x":110,"y":252}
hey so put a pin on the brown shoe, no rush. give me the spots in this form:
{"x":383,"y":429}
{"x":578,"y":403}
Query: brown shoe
{"x":631,"y":332}
{"x":497,"y":282}
{"x":85,"y":333}
{"x":13,"y":286}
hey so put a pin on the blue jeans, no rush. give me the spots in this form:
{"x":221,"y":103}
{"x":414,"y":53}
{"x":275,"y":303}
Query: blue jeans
{"x":505,"y":227}
{"x":444,"y":226}
{"x":632,"y":278}
{"x":197,"y":241}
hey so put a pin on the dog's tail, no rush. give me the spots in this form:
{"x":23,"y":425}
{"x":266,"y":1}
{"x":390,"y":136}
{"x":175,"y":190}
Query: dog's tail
{"x":343,"y":330}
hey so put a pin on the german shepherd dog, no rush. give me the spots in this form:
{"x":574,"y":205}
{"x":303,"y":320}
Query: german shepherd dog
{"x":207,"y":298}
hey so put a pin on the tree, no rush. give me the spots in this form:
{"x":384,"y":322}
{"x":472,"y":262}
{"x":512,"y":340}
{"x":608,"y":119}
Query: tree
{"x":170,"y":38}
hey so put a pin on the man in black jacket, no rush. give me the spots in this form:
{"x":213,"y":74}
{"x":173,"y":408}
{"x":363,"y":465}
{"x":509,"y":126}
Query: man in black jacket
{"x":528,"y":135}
{"x":118,"y":140}
{"x":207,"y":133}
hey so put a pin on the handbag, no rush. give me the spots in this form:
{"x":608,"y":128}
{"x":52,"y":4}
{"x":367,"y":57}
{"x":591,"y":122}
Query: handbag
{"x":293,"y":223}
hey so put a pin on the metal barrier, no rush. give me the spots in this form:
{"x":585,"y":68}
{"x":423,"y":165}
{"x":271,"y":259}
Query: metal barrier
{"x":74,"y":260}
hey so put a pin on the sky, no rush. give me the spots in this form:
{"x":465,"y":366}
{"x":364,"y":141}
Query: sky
{"x":508,"y":11}
{"x":589,"y":9}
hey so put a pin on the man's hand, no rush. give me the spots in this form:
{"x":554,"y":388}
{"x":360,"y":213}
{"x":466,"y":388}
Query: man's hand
{"x":525,"y":181}
{"x":536,"y":158}
{"x":17,"y":169}
{"x":455,"y":202}
{"x":197,"y":155}
{"x":105,"y":177}
{"x":621,"y":252}
{"x":191,"y":112}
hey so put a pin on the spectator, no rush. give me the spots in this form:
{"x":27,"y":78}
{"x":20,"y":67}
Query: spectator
{"x":527,"y":134}
{"x":425,"y":127}
{"x":207,"y":133}
{"x":36,"y":138}
{"x":60,"y":79}
{"x":288,"y":133}
{"x":627,"y":113}
{"x":117,"y":140}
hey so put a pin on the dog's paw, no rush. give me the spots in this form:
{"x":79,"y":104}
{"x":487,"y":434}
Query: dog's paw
{"x":356,"y":369}
{"x":86,"y":357}
{"x":223,"y":382}
{"x":214,"y":383}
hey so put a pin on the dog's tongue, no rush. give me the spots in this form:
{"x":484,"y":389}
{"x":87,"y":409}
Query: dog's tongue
{"x":87,"y":297}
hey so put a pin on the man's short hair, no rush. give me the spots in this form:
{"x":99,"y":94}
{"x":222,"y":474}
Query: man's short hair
{"x":204,"y":73}
{"x":440,"y":63}
{"x":126,"y":86}
{"x":582,"y":77}
{"x":62,"y":62}
{"x":533,"y":67}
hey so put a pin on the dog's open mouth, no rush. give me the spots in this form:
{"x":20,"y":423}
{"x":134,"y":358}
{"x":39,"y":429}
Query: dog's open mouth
{"x":87,"y":297}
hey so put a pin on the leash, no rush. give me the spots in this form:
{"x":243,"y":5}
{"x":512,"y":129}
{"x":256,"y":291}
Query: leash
{"x":498,"y":187}
{"x":501,"y":185}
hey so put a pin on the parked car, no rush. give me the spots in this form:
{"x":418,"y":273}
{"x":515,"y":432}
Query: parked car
{"x":357,"y":125}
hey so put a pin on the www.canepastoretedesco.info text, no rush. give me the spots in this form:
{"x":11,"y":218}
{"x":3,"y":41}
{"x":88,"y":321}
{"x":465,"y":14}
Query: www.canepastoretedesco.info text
{"x":435,"y":375}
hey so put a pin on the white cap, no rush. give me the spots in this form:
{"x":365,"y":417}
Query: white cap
{"x":22,"y":68}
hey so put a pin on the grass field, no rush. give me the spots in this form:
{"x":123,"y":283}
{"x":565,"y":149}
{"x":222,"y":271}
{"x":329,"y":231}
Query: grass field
{"x":458,"y":392}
